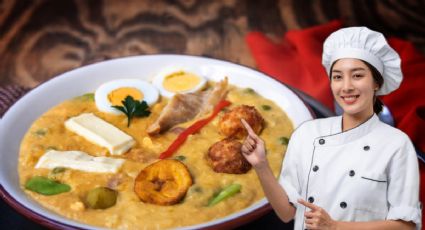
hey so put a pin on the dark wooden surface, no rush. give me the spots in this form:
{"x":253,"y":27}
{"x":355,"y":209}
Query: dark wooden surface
{"x":40,"y":39}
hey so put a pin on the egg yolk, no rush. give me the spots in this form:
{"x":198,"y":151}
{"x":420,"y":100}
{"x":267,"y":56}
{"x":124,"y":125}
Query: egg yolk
{"x":118,"y":95}
{"x":180,"y":81}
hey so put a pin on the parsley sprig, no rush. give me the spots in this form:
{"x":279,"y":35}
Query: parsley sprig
{"x":133,"y":108}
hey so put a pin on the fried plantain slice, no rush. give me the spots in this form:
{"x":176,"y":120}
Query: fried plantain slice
{"x":164,"y":182}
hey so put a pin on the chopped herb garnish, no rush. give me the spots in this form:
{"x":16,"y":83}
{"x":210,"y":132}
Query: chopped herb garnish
{"x":40,"y":132}
{"x":266,"y":107}
{"x":180,"y":158}
{"x":197,"y":189}
{"x":54,"y":174}
{"x":58,"y":170}
{"x":249,"y":90}
{"x":284,"y":140}
{"x":133,"y":108}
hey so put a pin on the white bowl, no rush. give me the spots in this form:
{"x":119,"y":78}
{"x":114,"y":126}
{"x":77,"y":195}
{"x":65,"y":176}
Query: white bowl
{"x":22,"y":114}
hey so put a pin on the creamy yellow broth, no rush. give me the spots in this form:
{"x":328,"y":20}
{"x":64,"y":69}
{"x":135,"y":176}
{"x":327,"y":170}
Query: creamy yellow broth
{"x":129,"y":212}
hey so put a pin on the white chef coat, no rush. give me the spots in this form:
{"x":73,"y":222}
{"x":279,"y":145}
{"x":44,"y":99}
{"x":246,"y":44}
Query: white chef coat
{"x":366,"y":173}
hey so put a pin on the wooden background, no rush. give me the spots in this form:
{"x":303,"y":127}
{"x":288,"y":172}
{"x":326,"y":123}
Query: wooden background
{"x":42,"y":38}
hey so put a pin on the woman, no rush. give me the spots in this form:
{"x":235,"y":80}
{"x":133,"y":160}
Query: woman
{"x":351,"y":171}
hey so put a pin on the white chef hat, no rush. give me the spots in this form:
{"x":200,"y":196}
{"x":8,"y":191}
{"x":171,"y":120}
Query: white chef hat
{"x":367,"y":45}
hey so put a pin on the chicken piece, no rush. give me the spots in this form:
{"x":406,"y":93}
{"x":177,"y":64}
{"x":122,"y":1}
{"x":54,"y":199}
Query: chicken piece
{"x":181,"y":108}
{"x":226,"y":157}
{"x":231,"y":126}
{"x":214,"y":96}
{"x":184,"y":107}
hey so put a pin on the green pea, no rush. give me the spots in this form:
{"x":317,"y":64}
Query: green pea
{"x":266,"y":107}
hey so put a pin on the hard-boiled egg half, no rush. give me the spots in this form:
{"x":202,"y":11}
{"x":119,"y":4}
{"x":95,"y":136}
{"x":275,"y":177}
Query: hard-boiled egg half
{"x":174,"y":80}
{"x":114,"y":92}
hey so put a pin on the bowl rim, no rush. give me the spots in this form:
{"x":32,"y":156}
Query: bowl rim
{"x":257,"y":212}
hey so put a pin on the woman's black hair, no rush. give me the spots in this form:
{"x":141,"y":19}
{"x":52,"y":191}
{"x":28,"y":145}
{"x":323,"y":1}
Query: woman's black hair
{"x":377,"y":77}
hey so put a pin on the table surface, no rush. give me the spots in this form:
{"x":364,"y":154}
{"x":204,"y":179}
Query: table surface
{"x":42,"y":39}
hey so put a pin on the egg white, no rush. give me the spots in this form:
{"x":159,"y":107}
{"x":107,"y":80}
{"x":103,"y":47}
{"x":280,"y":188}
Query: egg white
{"x":150,"y":93}
{"x":159,"y":79}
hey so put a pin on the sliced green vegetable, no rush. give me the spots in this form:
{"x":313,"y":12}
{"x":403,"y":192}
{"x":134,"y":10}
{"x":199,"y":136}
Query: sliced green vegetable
{"x":266,"y":107}
{"x":284,"y":140}
{"x":53,"y":175}
{"x":225,"y":193}
{"x":180,"y":158}
{"x":133,"y":108}
{"x":86,"y":97}
{"x":101,"y":198}
{"x":46,"y":186}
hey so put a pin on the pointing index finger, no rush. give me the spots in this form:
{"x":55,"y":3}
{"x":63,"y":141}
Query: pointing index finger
{"x":308,"y":204}
{"x":247,"y":127}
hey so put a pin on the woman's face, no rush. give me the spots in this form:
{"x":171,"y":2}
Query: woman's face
{"x":353,"y":87}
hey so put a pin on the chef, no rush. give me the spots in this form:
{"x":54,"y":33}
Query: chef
{"x":351,"y":171}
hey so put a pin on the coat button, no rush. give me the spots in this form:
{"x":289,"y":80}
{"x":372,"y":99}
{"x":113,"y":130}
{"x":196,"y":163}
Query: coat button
{"x":321,"y":141}
{"x":343,"y":204}
{"x":311,"y":199}
{"x":315,"y":168}
{"x":366,"y":148}
{"x":352,"y":173}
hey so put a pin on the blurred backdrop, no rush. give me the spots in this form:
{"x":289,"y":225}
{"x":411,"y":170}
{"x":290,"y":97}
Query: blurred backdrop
{"x":42,"y":38}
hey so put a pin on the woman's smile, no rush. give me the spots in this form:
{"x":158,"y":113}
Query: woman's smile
{"x":350,"y":99}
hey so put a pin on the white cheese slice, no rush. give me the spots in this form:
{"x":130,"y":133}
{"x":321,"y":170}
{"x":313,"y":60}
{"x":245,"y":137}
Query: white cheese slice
{"x":100,"y":132}
{"x":80,"y":161}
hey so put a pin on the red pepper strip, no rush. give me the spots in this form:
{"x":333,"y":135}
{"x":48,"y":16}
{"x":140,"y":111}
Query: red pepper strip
{"x":194,"y":128}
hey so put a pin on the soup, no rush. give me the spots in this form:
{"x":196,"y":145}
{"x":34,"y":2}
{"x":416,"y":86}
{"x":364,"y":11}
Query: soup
{"x":129,"y":212}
